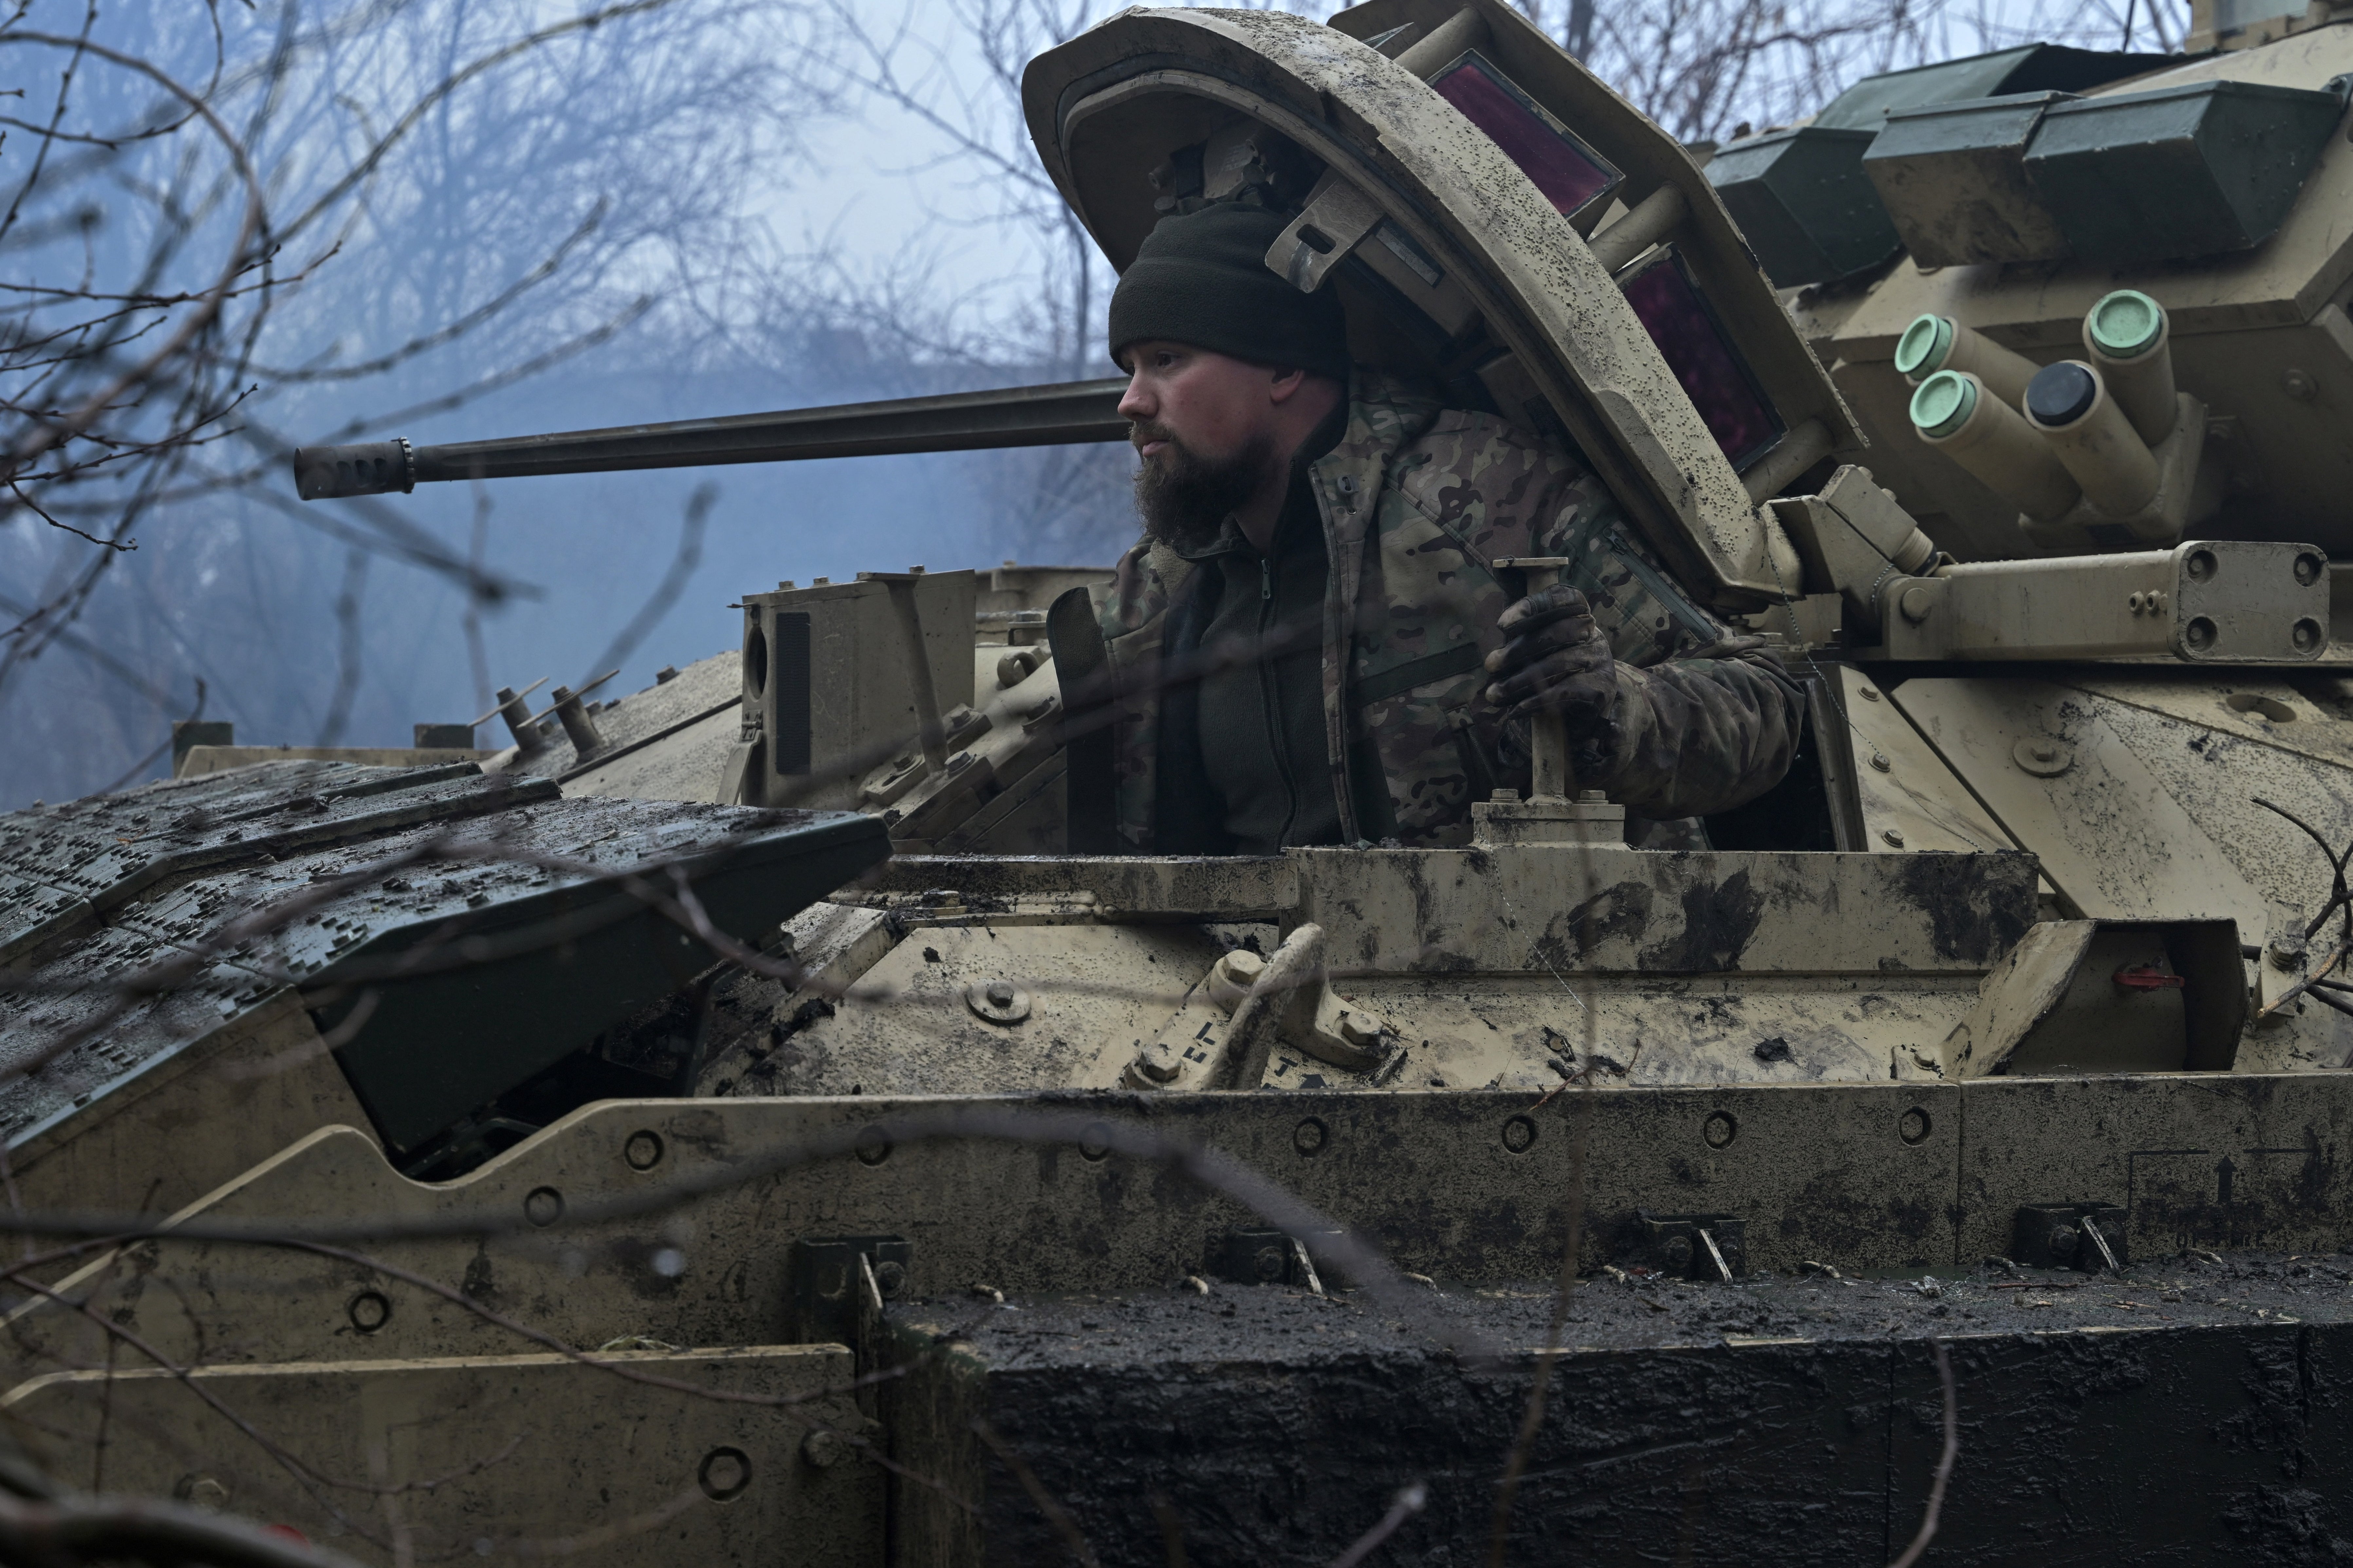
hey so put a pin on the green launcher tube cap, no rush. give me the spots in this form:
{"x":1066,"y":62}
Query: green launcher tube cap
{"x":1921,"y":350}
{"x":1943,"y":403}
{"x":2124,"y":325}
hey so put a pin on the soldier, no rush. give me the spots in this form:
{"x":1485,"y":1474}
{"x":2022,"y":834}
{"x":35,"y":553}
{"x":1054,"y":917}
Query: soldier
{"x":1309,"y":643}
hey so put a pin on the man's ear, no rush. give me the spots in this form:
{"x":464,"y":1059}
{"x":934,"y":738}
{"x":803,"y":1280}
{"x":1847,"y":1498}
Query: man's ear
{"x":1283,"y":385}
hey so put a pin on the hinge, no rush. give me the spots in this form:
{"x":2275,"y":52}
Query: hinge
{"x":1699,"y":1246}
{"x":2088,"y":1237}
{"x":1269,"y":1257}
{"x":835,"y":1287}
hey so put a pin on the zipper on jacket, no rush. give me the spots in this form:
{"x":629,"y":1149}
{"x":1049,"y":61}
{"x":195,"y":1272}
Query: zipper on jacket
{"x":1271,"y":699}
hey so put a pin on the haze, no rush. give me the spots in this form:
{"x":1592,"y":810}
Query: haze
{"x":694,"y":208}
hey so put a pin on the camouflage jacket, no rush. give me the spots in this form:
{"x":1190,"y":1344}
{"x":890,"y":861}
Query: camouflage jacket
{"x":1417,"y":500}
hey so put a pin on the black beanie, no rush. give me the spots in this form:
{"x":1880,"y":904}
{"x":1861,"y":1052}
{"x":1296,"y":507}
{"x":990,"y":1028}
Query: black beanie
{"x":1202,"y":279}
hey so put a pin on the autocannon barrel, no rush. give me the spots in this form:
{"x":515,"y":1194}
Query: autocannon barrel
{"x":955,"y":422}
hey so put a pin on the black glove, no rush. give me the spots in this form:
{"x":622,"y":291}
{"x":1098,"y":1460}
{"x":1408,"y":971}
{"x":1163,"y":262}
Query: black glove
{"x":1557,"y":662}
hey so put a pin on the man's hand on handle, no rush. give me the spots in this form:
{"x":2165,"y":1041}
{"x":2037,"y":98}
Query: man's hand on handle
{"x":1556,"y":660}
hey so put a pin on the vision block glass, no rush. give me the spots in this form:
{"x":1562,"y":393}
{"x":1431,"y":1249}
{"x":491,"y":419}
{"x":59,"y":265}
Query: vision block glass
{"x":1696,"y":348}
{"x":1571,"y":175}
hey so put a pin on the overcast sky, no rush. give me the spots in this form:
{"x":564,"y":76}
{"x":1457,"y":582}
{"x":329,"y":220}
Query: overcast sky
{"x":245,"y":596}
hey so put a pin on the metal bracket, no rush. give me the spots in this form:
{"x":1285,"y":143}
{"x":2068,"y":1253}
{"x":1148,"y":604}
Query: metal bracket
{"x":1267,"y":1257}
{"x":1335,"y":220}
{"x":822,"y":1282}
{"x":1699,"y":1246}
{"x":2087,"y":1238}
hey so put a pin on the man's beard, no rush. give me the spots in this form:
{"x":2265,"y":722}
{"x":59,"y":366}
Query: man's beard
{"x":1185,"y":497}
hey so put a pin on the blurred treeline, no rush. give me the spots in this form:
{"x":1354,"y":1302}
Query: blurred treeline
{"x":230,"y":228}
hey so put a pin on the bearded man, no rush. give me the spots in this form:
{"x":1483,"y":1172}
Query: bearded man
{"x":1311,"y":644}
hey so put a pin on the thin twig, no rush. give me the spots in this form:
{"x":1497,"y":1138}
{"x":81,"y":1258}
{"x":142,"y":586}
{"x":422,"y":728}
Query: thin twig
{"x":1532,"y":1417}
{"x":1172,"y":1527}
{"x":1056,"y":1514}
{"x":1409,"y":1501}
{"x":112,"y":1528}
{"x":1927,"y":1531}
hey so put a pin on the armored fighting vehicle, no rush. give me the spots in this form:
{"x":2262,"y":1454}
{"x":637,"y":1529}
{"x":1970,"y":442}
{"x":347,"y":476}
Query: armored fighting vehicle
{"x":771,"y":1115}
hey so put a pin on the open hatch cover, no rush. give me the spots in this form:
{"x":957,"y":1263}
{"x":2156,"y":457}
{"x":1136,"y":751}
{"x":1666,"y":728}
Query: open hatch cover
{"x":1496,"y":218}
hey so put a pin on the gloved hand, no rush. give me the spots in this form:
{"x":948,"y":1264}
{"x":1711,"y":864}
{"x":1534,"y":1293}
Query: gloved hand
{"x":1557,"y":662}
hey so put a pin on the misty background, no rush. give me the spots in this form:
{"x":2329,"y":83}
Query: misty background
{"x":483,"y":218}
